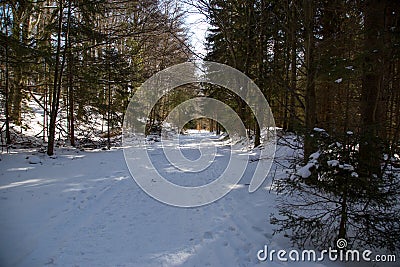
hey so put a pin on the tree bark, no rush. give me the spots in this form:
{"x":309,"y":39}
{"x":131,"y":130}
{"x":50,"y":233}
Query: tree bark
{"x":343,"y":215}
{"x":310,"y":97}
{"x":7,"y":108}
{"x":71,"y":95}
{"x":293,"y":73}
{"x":371,"y":86}
{"x":58,"y":72}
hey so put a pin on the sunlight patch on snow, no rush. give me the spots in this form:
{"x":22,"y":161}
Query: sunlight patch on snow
{"x":269,"y":188}
{"x":100,"y":179}
{"x":203,"y":142}
{"x":73,"y":187}
{"x":20,"y":169}
{"x":176,"y":258}
{"x":73,"y":190}
{"x":74,"y":156}
{"x":121,"y":178}
{"x":236,"y":186}
{"x":194,"y":131}
{"x":27,"y":182}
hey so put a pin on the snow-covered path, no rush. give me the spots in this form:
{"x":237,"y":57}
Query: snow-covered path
{"x":84,"y":209}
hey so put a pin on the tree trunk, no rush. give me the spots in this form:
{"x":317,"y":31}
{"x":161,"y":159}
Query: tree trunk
{"x":58,"y":72}
{"x":7,"y":104}
{"x":109,"y":110}
{"x":16,"y":97}
{"x":293,"y":74}
{"x":371,"y":86}
{"x":71,"y":95}
{"x":257,"y":134}
{"x":343,"y":215}
{"x":310,"y":98}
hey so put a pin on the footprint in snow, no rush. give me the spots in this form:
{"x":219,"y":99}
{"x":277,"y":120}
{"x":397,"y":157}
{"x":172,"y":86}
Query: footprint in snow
{"x":267,"y":235}
{"x":208,"y":235}
{"x":257,"y":229}
{"x":50,"y":262}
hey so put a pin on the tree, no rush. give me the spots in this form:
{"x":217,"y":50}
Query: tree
{"x":372,"y":77}
{"x":5,"y":26}
{"x":310,"y":95}
{"x":230,"y":22}
{"x":58,"y":72}
{"x":292,"y":18}
{"x":328,"y":199}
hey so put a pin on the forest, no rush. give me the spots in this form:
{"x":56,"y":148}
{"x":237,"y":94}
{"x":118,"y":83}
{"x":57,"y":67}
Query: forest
{"x":77,"y":58}
{"x":329,"y":69}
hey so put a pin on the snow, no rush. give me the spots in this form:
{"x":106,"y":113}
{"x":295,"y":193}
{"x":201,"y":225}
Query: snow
{"x":33,"y":121}
{"x":347,"y":167}
{"x":349,"y":68}
{"x":34,"y":159}
{"x":339,"y":80}
{"x":333,"y":163}
{"x":319,"y":130}
{"x":304,"y":171}
{"x":83,"y":208}
{"x":315,"y":156}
